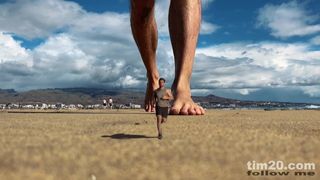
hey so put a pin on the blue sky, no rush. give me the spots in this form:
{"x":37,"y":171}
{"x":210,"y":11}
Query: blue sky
{"x":254,"y":50}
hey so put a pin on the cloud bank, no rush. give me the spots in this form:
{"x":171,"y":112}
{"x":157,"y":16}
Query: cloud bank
{"x":288,"y":20}
{"x":87,"y":49}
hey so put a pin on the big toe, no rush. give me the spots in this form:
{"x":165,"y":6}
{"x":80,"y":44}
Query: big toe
{"x":175,"y":109}
{"x":185,"y":109}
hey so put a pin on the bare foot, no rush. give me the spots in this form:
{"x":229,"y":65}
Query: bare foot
{"x":149,"y":103}
{"x":183,"y":103}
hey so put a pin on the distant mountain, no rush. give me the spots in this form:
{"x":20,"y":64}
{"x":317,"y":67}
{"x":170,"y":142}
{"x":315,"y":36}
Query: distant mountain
{"x":85,"y":96}
{"x":95,"y":96}
{"x":70,"y":96}
{"x":2,"y":91}
{"x":213,"y":99}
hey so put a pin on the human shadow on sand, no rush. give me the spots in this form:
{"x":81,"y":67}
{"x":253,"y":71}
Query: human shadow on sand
{"x":127,"y":136}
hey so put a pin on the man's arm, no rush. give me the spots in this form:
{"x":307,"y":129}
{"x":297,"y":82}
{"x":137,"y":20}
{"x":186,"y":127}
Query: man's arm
{"x":168,"y":95}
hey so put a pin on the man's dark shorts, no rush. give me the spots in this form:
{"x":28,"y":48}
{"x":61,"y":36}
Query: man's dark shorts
{"x":163,"y":111}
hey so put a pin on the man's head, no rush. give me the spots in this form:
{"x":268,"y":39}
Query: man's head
{"x":162,"y":81}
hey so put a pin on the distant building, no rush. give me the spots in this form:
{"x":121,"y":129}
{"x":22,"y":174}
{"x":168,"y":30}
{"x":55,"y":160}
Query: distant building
{"x":52,"y":106}
{"x":97,"y":106}
{"x":60,"y":106}
{"x":13,"y":106}
{"x":72,"y":106}
{"x":80,"y":106}
{"x":44,"y":106}
{"x":134,"y":106}
{"x":2,"y":106}
{"x":28,"y":106}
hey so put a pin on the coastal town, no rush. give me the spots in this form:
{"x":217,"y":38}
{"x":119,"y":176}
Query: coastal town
{"x":206,"y":105}
{"x":88,"y":98}
{"x":58,"y":106}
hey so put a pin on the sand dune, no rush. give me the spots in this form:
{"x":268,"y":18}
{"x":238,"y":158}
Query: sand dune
{"x":123,"y":145}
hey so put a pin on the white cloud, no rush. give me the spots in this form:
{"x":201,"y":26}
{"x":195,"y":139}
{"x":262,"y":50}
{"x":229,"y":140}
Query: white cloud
{"x":104,"y":26}
{"x":60,"y":53}
{"x":265,"y":54}
{"x":95,"y":50}
{"x":313,"y":91}
{"x":315,"y":40}
{"x":208,"y":28}
{"x":11,"y":51}
{"x":244,"y":66}
{"x":37,"y":18}
{"x":69,"y":60}
{"x":246,"y":91}
{"x":287,"y":20}
{"x":161,"y":14}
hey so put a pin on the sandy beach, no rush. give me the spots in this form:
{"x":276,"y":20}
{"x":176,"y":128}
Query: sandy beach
{"x":122,"y":144}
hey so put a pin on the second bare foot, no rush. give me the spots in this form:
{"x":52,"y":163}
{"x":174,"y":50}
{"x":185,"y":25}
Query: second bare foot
{"x":183,"y":103}
{"x":149,"y":102}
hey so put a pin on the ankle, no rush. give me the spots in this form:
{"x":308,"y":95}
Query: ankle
{"x":153,"y":77}
{"x":181,"y":87}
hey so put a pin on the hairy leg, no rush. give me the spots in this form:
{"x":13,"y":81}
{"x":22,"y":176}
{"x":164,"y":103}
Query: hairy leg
{"x":184,"y":27}
{"x":144,"y":30}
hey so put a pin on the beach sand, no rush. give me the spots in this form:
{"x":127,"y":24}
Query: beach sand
{"x":122,"y":144}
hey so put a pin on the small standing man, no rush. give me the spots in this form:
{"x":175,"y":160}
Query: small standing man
{"x":104,"y":103}
{"x":162,"y":97}
{"x":110,"y":102}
